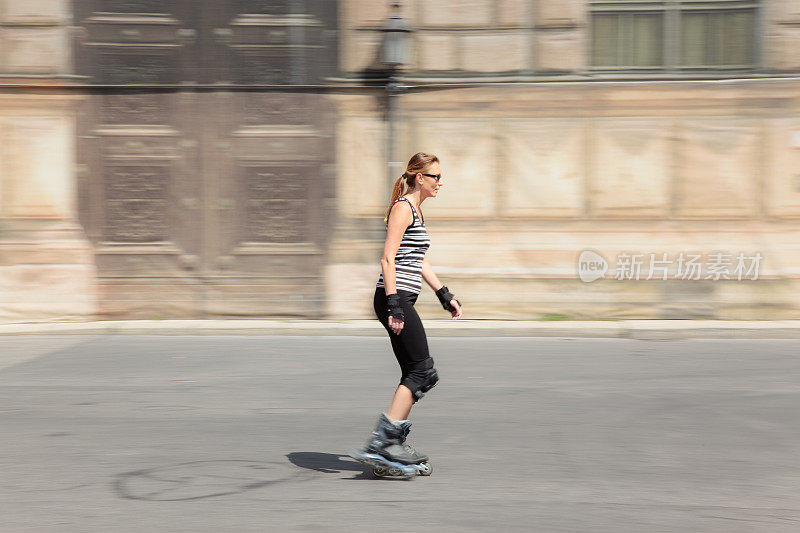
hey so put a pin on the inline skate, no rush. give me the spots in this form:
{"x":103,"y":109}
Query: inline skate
{"x":387,"y":453}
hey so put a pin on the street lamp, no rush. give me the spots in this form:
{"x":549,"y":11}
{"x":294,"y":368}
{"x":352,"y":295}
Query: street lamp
{"x":394,"y":48}
{"x":395,"y":39}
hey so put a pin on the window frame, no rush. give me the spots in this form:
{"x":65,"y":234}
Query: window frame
{"x":672,"y":37}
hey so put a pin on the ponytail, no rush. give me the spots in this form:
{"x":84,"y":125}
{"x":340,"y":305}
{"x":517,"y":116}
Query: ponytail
{"x":397,"y":191}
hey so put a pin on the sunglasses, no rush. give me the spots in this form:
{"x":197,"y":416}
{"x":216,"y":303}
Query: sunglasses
{"x":437,"y":177}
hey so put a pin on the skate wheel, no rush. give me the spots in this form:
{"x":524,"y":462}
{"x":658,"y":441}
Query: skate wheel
{"x":425,"y":469}
{"x":379,"y":471}
{"x":395,"y":472}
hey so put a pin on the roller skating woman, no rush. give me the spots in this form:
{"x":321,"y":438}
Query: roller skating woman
{"x":403,"y":268}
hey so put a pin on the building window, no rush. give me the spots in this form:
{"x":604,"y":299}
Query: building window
{"x":673,"y":35}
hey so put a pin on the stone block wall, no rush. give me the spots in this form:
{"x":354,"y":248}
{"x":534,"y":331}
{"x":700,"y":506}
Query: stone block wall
{"x":781,"y":48}
{"x":472,"y":36}
{"x":46,"y":263}
{"x":521,"y":37}
{"x":34,"y":37}
{"x":535,"y":175}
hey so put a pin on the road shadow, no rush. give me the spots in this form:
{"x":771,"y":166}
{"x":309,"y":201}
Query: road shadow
{"x":333,"y":463}
{"x":197,"y":480}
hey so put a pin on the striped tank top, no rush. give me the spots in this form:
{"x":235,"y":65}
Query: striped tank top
{"x":408,"y":260}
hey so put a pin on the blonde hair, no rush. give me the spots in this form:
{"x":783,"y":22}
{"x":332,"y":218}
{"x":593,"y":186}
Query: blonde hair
{"x":418,"y":163}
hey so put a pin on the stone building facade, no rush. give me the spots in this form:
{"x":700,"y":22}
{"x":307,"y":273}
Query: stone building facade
{"x":46,"y":262}
{"x":199,"y":159}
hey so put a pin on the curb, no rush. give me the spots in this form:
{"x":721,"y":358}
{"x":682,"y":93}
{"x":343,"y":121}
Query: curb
{"x":626,"y":329}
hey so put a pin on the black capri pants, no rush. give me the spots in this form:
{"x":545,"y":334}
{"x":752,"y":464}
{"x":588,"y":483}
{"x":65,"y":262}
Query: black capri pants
{"x":411,"y":345}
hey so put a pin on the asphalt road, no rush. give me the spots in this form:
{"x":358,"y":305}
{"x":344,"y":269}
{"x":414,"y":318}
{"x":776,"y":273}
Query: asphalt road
{"x":250,"y":434}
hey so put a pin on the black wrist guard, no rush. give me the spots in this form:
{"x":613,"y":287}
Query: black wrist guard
{"x":445,"y":296}
{"x":395,"y":309}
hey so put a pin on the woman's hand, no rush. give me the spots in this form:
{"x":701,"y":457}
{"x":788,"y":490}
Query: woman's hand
{"x":396,"y":324}
{"x":457,"y":311}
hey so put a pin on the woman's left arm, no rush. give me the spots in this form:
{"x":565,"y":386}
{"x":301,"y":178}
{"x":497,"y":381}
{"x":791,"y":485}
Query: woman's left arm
{"x":431,"y":279}
{"x":430,"y":276}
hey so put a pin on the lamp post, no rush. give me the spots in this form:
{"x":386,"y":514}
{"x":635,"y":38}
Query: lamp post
{"x":394,"y":47}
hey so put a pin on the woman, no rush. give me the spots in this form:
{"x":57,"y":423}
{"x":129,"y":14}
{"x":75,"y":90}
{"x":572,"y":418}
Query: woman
{"x":403,"y":268}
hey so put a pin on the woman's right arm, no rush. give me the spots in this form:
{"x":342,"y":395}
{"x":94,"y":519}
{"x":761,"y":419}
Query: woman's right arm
{"x":400,"y":218}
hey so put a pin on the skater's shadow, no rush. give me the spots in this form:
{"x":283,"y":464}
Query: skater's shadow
{"x":331,"y":463}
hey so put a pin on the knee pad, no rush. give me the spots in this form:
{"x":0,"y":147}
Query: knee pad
{"x":421,"y":378}
{"x":431,"y":379}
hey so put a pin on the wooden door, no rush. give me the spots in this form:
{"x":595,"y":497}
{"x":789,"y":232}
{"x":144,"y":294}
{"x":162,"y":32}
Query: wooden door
{"x":202,"y":185}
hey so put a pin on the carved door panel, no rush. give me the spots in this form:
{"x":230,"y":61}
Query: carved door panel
{"x":203,"y":201}
{"x":124,"y":42}
{"x":274,"y":171}
{"x":141,"y":200}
